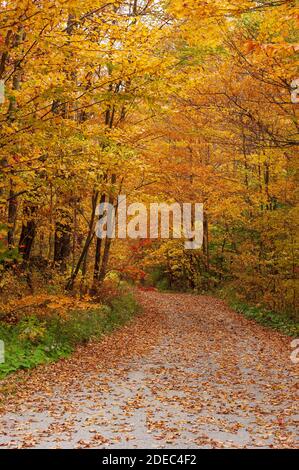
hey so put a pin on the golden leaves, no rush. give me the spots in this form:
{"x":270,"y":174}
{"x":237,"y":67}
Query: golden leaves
{"x":45,"y":304}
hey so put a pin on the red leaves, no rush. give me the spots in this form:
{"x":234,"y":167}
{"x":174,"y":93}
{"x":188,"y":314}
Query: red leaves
{"x":250,"y":46}
{"x":148,"y":289}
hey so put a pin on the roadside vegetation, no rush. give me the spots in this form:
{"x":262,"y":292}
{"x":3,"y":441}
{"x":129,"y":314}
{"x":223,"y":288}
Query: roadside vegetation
{"x":49,"y":335}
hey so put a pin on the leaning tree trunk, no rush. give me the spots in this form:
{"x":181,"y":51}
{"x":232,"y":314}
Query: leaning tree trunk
{"x":101,"y":268}
{"x":90,"y":235}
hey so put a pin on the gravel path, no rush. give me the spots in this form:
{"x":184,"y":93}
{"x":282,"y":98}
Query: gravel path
{"x":187,"y":373}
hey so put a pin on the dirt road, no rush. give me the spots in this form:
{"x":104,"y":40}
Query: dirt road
{"x":187,"y":373}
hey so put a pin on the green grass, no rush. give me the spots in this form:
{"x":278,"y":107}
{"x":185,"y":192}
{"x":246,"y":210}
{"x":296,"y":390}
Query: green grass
{"x":35,"y":340}
{"x":274,"y":320}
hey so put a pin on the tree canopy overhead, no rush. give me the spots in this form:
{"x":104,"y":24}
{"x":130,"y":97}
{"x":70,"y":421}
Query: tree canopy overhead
{"x":164,"y":101}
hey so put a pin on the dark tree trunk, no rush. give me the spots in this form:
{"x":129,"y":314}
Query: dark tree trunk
{"x":28,"y":232}
{"x":105,"y":259}
{"x":97,"y":262}
{"x":62,"y":243}
{"x":11,"y":218}
{"x":88,"y":241}
{"x":101,"y":268}
{"x":206,"y":247}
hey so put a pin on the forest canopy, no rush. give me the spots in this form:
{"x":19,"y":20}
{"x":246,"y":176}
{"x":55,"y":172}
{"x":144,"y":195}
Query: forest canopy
{"x":163,"y":101}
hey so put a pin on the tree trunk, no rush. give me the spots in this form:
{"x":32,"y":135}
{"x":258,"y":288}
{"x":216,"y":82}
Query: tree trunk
{"x":97,"y":262}
{"x":206,"y":245}
{"x":28,"y":232}
{"x":12,"y":215}
{"x":88,"y":241}
{"x":62,"y":241}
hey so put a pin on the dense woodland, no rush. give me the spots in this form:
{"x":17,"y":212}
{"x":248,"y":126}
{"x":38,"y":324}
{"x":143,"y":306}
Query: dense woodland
{"x":164,"y":101}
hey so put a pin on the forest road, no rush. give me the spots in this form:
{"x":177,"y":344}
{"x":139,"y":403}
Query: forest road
{"x":186,"y":373}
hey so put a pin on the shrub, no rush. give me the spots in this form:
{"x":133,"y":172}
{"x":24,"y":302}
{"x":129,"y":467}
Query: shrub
{"x":35,"y":340}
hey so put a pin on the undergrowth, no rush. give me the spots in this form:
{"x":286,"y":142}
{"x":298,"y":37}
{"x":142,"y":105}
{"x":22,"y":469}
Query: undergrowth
{"x":40,"y":339}
{"x":277,"y":321}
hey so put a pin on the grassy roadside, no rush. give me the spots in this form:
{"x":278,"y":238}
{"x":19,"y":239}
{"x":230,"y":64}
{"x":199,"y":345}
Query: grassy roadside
{"x":273,"y":320}
{"x":41,"y":339}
